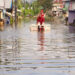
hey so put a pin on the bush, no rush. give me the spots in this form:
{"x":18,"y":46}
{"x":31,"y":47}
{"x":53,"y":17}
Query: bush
{"x":11,"y":20}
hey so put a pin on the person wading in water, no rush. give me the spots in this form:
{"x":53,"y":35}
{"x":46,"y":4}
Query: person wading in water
{"x":41,"y":19}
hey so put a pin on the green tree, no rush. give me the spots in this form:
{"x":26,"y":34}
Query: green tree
{"x":36,"y":7}
{"x":46,"y":4}
{"x":19,"y":4}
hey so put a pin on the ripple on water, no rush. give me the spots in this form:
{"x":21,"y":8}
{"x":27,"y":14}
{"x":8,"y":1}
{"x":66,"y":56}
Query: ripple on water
{"x":35,"y":53}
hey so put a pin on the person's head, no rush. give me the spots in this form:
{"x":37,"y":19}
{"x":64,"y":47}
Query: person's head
{"x":41,"y":10}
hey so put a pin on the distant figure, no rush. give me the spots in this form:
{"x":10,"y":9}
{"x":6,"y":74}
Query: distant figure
{"x":8,"y":20}
{"x":74,"y":22}
{"x":66,"y":18}
{"x":40,"y":18}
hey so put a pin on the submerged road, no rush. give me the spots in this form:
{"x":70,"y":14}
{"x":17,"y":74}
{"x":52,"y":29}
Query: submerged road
{"x":23,"y":52}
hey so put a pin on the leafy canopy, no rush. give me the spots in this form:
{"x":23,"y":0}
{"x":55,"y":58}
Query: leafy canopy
{"x":46,"y":4}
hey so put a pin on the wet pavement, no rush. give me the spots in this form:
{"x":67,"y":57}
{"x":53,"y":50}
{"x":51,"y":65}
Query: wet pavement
{"x":23,"y":52}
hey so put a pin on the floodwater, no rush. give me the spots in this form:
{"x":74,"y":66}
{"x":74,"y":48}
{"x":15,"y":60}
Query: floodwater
{"x":23,"y":52}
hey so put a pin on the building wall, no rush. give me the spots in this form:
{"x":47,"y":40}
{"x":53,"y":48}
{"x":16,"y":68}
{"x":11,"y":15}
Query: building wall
{"x":8,"y":4}
{"x":66,"y":4}
{"x":72,"y":5}
{"x":1,"y":4}
{"x":5,"y":4}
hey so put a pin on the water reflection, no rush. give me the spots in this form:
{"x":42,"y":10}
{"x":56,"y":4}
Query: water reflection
{"x":37,"y":53}
{"x":72,"y":29}
{"x":41,"y":40}
{"x":8,"y":51}
{"x":1,"y":27}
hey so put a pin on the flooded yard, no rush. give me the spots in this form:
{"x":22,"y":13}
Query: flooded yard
{"x":23,"y":52}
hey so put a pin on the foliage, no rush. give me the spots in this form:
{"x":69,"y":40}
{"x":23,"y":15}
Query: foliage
{"x":11,"y":20}
{"x":36,"y":7}
{"x":46,"y":4}
{"x":31,"y":9}
{"x":19,"y":4}
{"x":27,"y":10}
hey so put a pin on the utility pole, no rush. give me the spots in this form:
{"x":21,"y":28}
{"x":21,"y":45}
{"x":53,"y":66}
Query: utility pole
{"x":15,"y":12}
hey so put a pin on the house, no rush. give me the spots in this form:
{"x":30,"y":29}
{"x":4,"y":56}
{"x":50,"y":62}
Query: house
{"x":57,"y":6}
{"x":66,"y":4}
{"x":72,"y":12}
{"x":5,"y":5}
{"x":66,"y":10}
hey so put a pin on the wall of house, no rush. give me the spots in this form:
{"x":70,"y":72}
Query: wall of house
{"x":8,"y":4}
{"x":1,"y":4}
{"x":73,"y":5}
{"x":67,"y":4}
{"x":5,"y":4}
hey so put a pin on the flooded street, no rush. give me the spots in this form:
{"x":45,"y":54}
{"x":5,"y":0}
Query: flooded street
{"x":23,"y":52}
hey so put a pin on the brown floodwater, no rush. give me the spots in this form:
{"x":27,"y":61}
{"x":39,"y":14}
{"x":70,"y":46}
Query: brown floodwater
{"x":23,"y":52}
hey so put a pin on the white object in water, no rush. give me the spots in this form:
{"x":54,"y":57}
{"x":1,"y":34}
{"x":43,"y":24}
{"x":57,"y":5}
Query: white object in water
{"x":34,"y":27}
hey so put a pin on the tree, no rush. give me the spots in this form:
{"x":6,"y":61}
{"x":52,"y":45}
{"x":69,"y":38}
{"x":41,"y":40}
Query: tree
{"x":46,"y":4}
{"x":19,"y":4}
